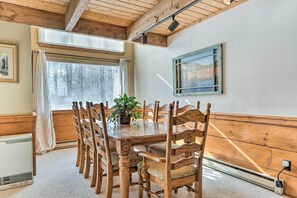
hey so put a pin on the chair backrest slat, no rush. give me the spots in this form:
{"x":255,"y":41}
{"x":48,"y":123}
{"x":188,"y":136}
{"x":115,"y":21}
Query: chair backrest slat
{"x":187,"y":147}
{"x":184,"y":162}
{"x":191,"y":115}
{"x":83,"y":112}
{"x":180,"y":110}
{"x":188,"y":134}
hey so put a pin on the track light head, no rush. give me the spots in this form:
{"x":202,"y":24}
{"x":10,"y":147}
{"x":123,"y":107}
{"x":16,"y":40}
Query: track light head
{"x":144,"y":39}
{"x":174,"y":24}
{"x":228,"y":2}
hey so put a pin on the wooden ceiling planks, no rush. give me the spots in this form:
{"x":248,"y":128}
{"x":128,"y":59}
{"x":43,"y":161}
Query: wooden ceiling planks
{"x":105,"y":18}
{"x":123,"y":13}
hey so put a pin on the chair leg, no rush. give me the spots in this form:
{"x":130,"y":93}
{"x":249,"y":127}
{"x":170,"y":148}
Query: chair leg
{"x":78,"y":153}
{"x":148,"y":183}
{"x":82,"y":158}
{"x":88,"y":162}
{"x":198,"y":186}
{"x":94,"y":173}
{"x":99,"y":176}
{"x":198,"y":189}
{"x":140,"y":184}
{"x":168,"y":192}
{"x":109,"y":184}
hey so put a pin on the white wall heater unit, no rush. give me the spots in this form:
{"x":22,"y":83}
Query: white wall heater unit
{"x":242,"y":173}
{"x":16,"y":161}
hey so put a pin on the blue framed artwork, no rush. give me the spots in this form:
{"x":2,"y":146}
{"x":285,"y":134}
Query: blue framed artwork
{"x":199,"y":72}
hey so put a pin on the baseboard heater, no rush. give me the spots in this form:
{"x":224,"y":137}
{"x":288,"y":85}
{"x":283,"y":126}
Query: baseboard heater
{"x":16,"y":161}
{"x":242,"y":173}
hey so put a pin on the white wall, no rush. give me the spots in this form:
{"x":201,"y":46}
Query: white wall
{"x":15,"y":98}
{"x":260,"y":59}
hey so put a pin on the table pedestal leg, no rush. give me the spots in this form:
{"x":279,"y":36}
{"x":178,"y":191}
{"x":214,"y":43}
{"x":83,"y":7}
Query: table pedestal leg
{"x":123,"y":149}
{"x":124,"y":175}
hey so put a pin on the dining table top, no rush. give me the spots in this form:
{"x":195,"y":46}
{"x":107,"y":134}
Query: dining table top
{"x":140,"y":129}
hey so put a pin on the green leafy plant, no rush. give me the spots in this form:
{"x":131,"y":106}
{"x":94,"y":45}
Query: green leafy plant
{"x":125,"y":106}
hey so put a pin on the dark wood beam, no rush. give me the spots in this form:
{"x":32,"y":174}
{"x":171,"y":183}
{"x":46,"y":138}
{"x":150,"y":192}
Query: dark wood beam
{"x":74,"y":11}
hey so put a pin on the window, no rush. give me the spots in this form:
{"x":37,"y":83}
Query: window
{"x":60,"y":38}
{"x":81,"y":82}
{"x":198,"y":72}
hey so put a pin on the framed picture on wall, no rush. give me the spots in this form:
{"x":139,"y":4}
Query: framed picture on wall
{"x":8,"y":63}
{"x":199,"y":72}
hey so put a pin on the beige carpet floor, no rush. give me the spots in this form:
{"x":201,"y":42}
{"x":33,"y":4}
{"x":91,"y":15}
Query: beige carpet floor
{"x":57,"y":177}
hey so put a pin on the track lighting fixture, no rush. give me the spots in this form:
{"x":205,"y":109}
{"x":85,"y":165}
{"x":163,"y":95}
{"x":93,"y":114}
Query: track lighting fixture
{"x":144,"y":38}
{"x":228,"y":2}
{"x":174,"y":24}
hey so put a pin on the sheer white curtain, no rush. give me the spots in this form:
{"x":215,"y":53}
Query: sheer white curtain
{"x":45,"y":134}
{"x":124,"y":76}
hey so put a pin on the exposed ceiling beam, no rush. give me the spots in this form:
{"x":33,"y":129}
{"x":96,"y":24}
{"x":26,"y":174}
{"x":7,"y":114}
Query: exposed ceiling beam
{"x":20,"y":14}
{"x":96,"y":28}
{"x":74,"y":11}
{"x":157,"y":15}
{"x":153,"y":39}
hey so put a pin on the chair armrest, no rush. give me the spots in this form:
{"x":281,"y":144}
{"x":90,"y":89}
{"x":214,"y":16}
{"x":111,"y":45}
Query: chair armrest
{"x":154,"y":157}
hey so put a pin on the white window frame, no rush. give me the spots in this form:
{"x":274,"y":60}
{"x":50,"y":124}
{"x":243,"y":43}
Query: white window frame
{"x":41,"y":42}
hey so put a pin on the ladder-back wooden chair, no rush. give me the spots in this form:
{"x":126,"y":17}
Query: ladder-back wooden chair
{"x":90,"y":149}
{"x":107,"y":160}
{"x":80,"y":158}
{"x":162,"y":112}
{"x":107,"y":110}
{"x":160,"y":148}
{"x":182,"y":166}
{"x":148,"y":111}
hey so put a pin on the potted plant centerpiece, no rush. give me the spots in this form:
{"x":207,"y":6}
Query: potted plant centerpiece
{"x":125,"y":109}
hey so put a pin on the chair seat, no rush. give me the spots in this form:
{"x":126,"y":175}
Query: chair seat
{"x":134,"y":159}
{"x":160,"y":148}
{"x":157,"y":170}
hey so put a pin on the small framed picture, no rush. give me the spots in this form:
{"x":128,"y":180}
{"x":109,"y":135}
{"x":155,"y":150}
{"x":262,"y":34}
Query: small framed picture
{"x":8,"y":63}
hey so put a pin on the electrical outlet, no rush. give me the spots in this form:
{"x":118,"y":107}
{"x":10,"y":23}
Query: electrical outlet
{"x":287,"y":165}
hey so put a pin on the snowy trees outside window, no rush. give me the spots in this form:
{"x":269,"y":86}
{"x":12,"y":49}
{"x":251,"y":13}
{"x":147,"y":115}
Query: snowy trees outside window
{"x":81,"y":82}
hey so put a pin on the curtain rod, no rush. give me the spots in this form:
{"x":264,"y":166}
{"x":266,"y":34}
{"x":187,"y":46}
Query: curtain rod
{"x":58,"y":54}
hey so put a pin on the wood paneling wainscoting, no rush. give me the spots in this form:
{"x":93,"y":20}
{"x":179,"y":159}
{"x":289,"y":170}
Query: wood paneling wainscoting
{"x":19,"y":124}
{"x":64,"y":126}
{"x":258,"y":143}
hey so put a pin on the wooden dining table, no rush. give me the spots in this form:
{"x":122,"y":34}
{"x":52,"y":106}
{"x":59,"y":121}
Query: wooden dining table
{"x":142,"y":132}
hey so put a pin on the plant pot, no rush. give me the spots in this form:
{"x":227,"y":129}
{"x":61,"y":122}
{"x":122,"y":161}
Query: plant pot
{"x":125,"y":119}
